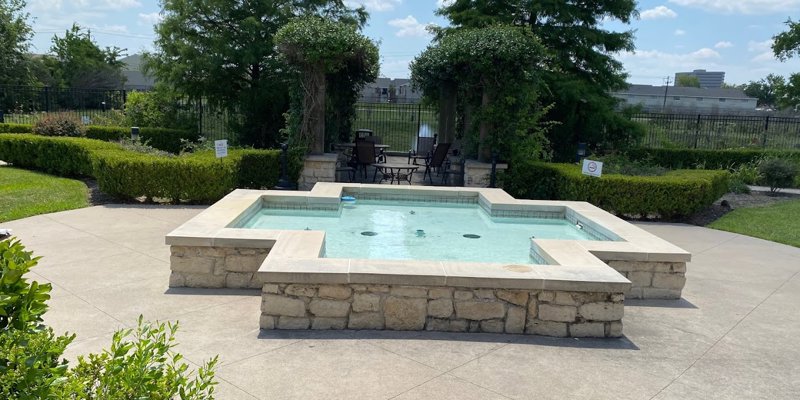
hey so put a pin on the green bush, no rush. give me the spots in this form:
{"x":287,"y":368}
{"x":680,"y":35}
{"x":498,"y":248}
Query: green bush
{"x":777,"y":173}
{"x":710,"y":159}
{"x":31,"y":363}
{"x":198,"y":177}
{"x":55,"y":124}
{"x":160,"y":107}
{"x":16,"y":128}
{"x":22,"y":303}
{"x":675,"y":194}
{"x":54,"y":155}
{"x":144,"y":367}
{"x":163,"y":139}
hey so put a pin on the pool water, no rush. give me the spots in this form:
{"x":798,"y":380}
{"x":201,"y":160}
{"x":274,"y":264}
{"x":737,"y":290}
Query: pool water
{"x":419,"y":231}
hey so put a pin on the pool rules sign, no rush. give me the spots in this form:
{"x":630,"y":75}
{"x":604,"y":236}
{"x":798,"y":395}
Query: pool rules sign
{"x":221,"y":148}
{"x":592,"y":168}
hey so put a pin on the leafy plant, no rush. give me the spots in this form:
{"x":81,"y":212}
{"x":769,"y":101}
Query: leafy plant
{"x":140,"y":363}
{"x":618,"y":163}
{"x":31,"y":363}
{"x":777,"y":173}
{"x":22,"y":303}
{"x":57,"y":124}
{"x":189,"y":146}
{"x":140,"y":146}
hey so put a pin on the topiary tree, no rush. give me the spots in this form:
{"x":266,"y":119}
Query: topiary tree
{"x":316,"y":48}
{"x":495,"y":70}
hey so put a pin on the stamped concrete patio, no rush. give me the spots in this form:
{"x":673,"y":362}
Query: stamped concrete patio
{"x":734,"y":334}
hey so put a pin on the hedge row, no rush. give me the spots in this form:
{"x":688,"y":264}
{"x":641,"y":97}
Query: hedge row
{"x":198,"y":178}
{"x":160,"y":138}
{"x":709,"y":159}
{"x":678,"y":193}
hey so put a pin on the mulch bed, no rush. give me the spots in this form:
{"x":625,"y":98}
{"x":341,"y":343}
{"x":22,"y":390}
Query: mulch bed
{"x":732,"y":201}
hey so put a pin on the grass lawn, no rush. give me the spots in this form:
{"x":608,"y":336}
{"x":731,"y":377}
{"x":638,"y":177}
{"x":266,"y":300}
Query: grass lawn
{"x":778,"y":223}
{"x":26,"y":193}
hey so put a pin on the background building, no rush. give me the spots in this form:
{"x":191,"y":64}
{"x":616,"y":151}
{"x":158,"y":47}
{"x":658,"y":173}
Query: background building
{"x":690,"y":99}
{"x":135,"y":79}
{"x":708,"y":79}
{"x":387,"y":90}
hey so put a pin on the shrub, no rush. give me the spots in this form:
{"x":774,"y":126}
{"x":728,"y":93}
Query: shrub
{"x":777,"y":173}
{"x":622,"y":165}
{"x":145,"y":367}
{"x":675,"y":194}
{"x":54,"y":155}
{"x":16,"y":128}
{"x":143,"y":147}
{"x":31,"y":363}
{"x":711,"y":159}
{"x":160,"y":107}
{"x":163,"y":139}
{"x":22,"y":303}
{"x":55,"y":124}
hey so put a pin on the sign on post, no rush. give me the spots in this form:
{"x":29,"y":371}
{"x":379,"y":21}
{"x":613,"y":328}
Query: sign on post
{"x":592,"y":168}
{"x":221,"y":148}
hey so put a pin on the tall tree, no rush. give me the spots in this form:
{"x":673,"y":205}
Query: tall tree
{"x":222,"y":51}
{"x":78,"y":62}
{"x":765,"y":90}
{"x":687,"y":81}
{"x":582,"y":69}
{"x":15,"y":35}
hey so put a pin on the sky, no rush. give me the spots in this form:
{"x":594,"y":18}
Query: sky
{"x":671,"y":36}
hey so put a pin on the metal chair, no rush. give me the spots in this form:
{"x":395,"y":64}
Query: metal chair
{"x":424,"y":149}
{"x":365,"y":155}
{"x":437,"y":161}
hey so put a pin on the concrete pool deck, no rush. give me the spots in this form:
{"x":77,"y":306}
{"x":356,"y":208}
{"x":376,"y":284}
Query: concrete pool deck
{"x":732,"y":335}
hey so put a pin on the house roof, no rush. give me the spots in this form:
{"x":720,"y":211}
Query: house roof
{"x":649,"y":90}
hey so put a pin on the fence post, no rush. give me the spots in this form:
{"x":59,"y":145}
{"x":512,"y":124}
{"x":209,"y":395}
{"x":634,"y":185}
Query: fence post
{"x":419,"y":124}
{"x":766,"y":128}
{"x":47,"y":99}
{"x":697,"y":131}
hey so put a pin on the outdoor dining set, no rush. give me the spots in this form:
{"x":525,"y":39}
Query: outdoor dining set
{"x":368,"y":152}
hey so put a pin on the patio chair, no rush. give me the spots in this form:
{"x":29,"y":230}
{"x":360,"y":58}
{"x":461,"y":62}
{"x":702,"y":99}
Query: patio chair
{"x":424,"y":149}
{"x":365,"y":155}
{"x":437,"y":161}
{"x":377,"y":140}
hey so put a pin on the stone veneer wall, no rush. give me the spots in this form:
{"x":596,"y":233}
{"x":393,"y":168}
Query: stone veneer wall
{"x":652,"y":280}
{"x":356,"y":306}
{"x":478,"y":174}
{"x":317,"y":168}
{"x":216,"y":267}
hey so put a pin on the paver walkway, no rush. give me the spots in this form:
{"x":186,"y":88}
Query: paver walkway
{"x":733,"y":335}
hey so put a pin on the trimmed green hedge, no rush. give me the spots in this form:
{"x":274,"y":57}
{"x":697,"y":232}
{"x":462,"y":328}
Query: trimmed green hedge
{"x":160,"y":138}
{"x":16,"y":128}
{"x":678,"y":193}
{"x":710,"y":159}
{"x":199,"y":177}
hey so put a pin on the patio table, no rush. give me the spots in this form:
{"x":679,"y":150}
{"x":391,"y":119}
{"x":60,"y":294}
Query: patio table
{"x":395,"y":172}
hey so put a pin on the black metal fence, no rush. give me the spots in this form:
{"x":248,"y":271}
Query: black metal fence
{"x":715,"y":132}
{"x":397,"y":124}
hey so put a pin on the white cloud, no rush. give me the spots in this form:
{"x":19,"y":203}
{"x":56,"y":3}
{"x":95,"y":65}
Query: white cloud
{"x":763,"y":50}
{"x":120,"y":4}
{"x":150,"y":19}
{"x":45,"y":5}
{"x":374,"y":5}
{"x":444,"y":3}
{"x":723,"y":45}
{"x":742,"y":6}
{"x":658,"y":12}
{"x":680,"y":32}
{"x":409,"y":27}
{"x":672,"y":59}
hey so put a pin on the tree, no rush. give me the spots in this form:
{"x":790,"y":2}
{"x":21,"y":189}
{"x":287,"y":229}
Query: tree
{"x":765,"y":90}
{"x":687,"y":81}
{"x":581,"y":70}
{"x":316,"y":47}
{"x":222,"y":51}
{"x":15,"y":35}
{"x":78,"y":62}
{"x":495,"y":71}
{"x":786,"y":45}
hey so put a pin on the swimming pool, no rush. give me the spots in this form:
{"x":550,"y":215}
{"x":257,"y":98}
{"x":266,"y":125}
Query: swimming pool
{"x":409,"y":230}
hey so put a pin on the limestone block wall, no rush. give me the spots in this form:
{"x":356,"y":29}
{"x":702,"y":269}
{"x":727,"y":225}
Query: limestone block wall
{"x":215,"y":267}
{"x":317,"y":168}
{"x":357,"y":306}
{"x":652,"y":280}
{"x":478,"y":174}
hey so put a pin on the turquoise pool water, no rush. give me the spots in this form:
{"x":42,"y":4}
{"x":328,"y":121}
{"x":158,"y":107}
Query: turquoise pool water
{"x":419,"y":231}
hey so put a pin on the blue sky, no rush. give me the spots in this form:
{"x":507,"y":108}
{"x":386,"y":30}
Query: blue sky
{"x":671,"y":35}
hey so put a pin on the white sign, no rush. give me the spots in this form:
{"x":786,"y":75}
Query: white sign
{"x":592,"y":168}
{"x":221,"y":148}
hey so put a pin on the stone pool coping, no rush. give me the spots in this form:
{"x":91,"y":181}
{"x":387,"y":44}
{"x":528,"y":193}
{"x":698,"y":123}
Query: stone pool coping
{"x":294,"y":256}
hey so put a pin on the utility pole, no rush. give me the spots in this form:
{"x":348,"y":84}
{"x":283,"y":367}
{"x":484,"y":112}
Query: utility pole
{"x":666,"y":87}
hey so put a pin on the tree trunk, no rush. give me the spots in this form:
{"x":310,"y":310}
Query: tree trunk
{"x":484,"y":147}
{"x":313,"y":126}
{"x":447,"y":113}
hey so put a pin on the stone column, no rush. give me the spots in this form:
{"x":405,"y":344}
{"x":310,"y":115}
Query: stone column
{"x":318,"y":168}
